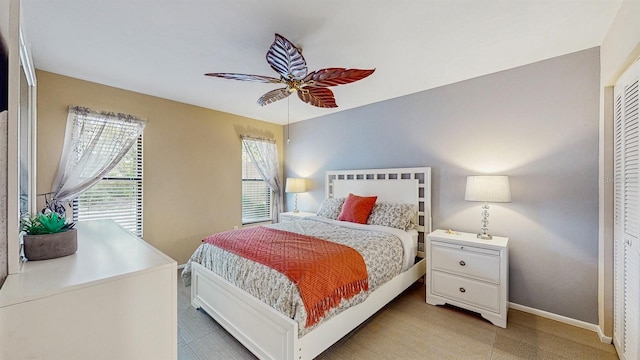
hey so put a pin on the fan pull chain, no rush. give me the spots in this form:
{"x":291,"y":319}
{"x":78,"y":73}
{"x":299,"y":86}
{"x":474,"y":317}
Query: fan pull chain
{"x":288,"y":128}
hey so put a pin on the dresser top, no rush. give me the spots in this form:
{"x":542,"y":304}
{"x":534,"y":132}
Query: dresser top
{"x":470,"y":239}
{"x":105,"y":252}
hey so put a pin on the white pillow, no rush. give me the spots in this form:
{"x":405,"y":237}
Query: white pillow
{"x":330,"y":208}
{"x":393,"y":215}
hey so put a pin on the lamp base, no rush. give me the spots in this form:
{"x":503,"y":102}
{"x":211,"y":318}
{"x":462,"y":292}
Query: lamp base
{"x":295,"y":204}
{"x":484,"y":222}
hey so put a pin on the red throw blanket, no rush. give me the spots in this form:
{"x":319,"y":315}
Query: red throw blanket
{"x":325,"y":272}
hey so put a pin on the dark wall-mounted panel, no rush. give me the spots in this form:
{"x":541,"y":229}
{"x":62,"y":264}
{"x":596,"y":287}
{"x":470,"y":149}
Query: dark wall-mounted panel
{"x":4,"y":77}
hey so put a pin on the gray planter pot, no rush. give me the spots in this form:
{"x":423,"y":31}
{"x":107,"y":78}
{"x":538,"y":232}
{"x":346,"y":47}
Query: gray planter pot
{"x":50,"y":246}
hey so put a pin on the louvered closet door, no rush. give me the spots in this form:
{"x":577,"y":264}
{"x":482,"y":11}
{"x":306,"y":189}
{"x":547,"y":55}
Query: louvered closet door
{"x":618,"y":225}
{"x":627,"y":215}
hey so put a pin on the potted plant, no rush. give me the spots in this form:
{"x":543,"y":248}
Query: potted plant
{"x":48,"y":236}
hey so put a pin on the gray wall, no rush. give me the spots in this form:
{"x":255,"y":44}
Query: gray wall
{"x":537,"y":123}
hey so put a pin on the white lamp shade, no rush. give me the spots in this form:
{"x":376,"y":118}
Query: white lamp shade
{"x":296,"y":185}
{"x":488,"y":189}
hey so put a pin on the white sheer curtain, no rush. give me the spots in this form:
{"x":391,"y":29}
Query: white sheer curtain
{"x":94,"y":143}
{"x":264,"y":155}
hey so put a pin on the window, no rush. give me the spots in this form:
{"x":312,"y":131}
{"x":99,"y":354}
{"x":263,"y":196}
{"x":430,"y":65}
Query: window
{"x":256,"y":194}
{"x":118,"y":195}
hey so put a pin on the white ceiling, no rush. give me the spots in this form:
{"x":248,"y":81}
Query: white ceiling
{"x":163,"y":47}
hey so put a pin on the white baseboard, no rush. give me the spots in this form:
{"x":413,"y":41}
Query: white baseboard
{"x":180,"y":267}
{"x":605,"y":339}
{"x":563,"y":319}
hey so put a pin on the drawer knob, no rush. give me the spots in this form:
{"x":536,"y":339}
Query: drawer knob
{"x":462,"y":290}
{"x":462,"y":263}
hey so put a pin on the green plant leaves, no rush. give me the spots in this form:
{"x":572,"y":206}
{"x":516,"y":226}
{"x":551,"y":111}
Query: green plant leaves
{"x":48,"y":223}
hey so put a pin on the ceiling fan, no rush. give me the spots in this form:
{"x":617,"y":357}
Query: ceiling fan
{"x":287,"y":60}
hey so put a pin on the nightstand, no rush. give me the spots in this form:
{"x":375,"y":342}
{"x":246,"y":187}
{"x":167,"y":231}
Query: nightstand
{"x":470,"y":273}
{"x":293,"y":216}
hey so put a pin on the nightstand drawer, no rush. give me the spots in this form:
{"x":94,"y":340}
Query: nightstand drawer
{"x":481,"y":264}
{"x":472,"y":292}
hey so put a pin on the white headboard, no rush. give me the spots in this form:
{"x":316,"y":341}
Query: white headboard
{"x":398,"y":191}
{"x":401,"y":185}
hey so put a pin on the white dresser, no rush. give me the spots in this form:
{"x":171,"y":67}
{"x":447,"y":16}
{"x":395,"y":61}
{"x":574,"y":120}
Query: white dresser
{"x":115,"y":298}
{"x":470,"y":273}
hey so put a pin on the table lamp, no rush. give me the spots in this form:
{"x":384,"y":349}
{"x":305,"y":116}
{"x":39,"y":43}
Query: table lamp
{"x":487,"y":189}
{"x":296,"y":185}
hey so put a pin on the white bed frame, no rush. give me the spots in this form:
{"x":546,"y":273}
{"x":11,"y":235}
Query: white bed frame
{"x":271,"y":335}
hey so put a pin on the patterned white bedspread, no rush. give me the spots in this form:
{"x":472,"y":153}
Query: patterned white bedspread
{"x":382,"y":248}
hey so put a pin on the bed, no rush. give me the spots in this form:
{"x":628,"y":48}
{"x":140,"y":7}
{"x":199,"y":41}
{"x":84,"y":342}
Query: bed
{"x":282,"y":333}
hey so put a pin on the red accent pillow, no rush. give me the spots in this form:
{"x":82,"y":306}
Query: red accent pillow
{"x":357,"y":208}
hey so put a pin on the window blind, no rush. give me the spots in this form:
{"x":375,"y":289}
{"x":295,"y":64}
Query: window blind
{"x":256,"y":195}
{"x":118,"y":195}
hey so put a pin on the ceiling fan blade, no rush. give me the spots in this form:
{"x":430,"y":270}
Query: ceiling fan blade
{"x":286,"y":59}
{"x":245,"y":77}
{"x":336,"y":76}
{"x":317,"y":96}
{"x":273,"y":96}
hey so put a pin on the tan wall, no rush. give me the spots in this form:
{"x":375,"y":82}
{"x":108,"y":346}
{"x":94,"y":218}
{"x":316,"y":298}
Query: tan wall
{"x":4,"y":170}
{"x":621,"y":46}
{"x":192,"y":158}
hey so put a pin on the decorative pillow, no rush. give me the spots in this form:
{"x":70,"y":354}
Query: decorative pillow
{"x":393,"y":215}
{"x":357,"y":208}
{"x":330,"y":208}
